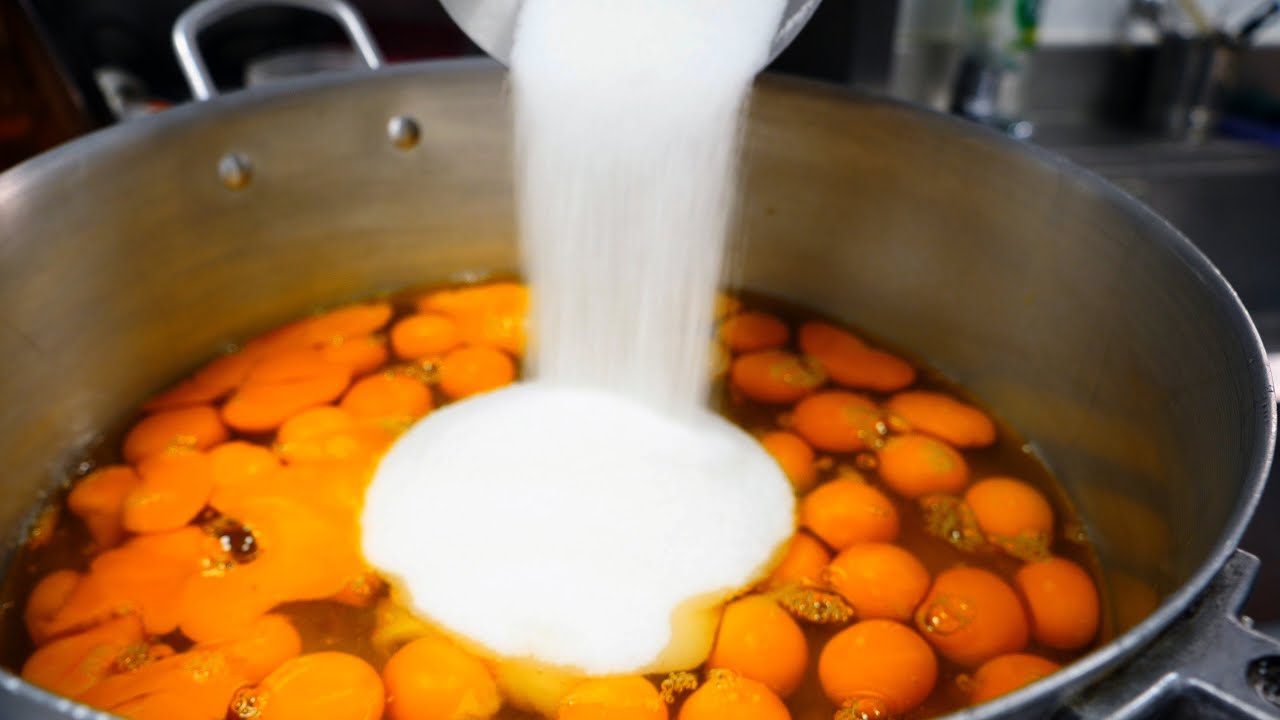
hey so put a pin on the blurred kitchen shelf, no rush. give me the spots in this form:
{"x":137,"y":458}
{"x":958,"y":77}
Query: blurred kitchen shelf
{"x":1222,"y":194}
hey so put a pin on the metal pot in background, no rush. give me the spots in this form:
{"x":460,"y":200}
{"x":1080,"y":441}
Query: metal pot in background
{"x":1190,"y":77}
{"x":1194,"y":73}
{"x":1088,"y":323}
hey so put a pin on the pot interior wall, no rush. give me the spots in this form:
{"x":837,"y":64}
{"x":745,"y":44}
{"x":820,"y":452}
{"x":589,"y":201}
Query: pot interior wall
{"x":1083,"y":320}
{"x":1086,"y":323}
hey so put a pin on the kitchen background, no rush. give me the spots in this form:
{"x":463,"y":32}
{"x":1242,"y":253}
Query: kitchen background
{"x":1176,"y":101}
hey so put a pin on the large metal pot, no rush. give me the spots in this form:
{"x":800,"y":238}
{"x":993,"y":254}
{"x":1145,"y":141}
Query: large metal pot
{"x":1093,"y":327}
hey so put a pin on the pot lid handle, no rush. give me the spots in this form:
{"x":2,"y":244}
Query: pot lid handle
{"x":207,"y":12}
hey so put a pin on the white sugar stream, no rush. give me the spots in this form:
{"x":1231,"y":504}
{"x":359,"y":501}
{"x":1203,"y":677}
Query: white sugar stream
{"x":595,"y":518}
{"x":627,"y":121}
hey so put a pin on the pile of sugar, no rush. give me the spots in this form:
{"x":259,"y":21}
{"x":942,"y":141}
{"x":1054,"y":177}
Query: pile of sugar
{"x":589,"y":532}
{"x":596,"y":518}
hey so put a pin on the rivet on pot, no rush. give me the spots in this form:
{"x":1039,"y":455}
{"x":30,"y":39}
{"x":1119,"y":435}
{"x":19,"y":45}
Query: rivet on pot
{"x":235,"y":170}
{"x":403,"y":132}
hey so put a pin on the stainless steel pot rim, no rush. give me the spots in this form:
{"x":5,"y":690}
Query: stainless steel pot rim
{"x":1071,"y":678}
{"x":1093,"y":665}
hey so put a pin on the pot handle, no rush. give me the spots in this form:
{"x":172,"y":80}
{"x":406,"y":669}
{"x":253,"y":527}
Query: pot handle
{"x":1209,"y":663}
{"x":206,"y":12}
